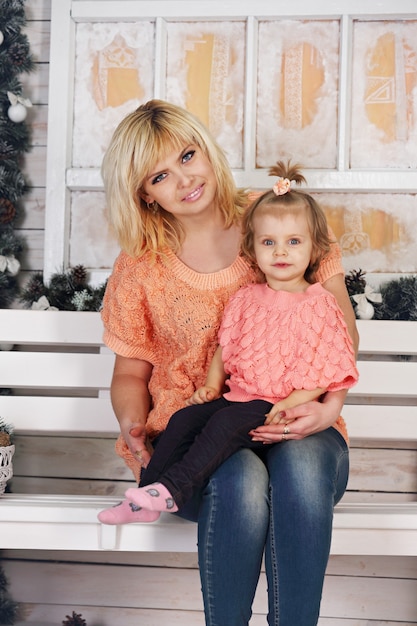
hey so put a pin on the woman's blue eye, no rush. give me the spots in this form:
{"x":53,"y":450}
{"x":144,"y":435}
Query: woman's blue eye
{"x":158,"y":179}
{"x":188,"y":156}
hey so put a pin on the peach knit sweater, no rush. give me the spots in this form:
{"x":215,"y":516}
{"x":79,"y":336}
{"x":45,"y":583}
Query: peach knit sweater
{"x":163,"y":312}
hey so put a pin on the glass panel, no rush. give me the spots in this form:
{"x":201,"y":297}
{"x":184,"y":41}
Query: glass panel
{"x":376,"y":231}
{"x":91,"y":242}
{"x":114,"y":73}
{"x":205,"y":74}
{"x":297,"y":92}
{"x":384,"y":95}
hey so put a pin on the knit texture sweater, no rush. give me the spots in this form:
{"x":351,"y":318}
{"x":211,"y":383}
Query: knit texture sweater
{"x":161,"y":311}
{"x":274,"y":342}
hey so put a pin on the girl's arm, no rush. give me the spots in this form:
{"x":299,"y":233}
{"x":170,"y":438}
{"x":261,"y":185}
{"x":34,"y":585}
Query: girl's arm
{"x":214,"y":384}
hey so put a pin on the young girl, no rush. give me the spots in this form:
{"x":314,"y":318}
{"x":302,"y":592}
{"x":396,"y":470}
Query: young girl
{"x":282,"y":342}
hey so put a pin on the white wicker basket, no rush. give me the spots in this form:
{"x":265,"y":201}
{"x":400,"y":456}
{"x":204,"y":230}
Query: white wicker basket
{"x":6,"y":466}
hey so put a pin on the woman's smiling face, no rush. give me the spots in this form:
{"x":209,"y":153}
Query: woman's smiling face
{"x":183,"y":183}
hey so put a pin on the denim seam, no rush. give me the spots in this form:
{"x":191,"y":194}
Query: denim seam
{"x":209,"y":563}
{"x":273,"y":560}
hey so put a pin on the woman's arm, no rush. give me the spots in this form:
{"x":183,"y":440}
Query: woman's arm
{"x":336,"y":285}
{"x":131,"y":402}
{"x":306,"y":419}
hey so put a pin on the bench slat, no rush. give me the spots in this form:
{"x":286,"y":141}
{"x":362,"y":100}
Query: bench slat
{"x":50,"y":327}
{"x":73,"y":521}
{"x":56,"y":370}
{"x":382,"y":379}
{"x":387,"y":337}
{"x":57,"y":327}
{"x":88,"y":415}
{"x":61,"y":415}
{"x":80,"y":370}
{"x":381,"y":422}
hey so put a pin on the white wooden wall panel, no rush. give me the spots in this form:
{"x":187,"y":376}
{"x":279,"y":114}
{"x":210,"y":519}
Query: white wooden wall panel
{"x":63,"y":176}
{"x":35,"y":163}
{"x":34,"y":214}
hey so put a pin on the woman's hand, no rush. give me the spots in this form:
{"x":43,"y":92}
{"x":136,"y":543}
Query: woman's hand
{"x":302,"y":420}
{"x":203,"y":394}
{"x":138,"y":443}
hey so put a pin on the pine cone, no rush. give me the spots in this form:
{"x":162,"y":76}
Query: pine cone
{"x":74,"y":620}
{"x":6,"y":431}
{"x":18,"y":52}
{"x":4,"y":440}
{"x":78,"y":275}
{"x":355,"y":282}
{"x":7,"y":211}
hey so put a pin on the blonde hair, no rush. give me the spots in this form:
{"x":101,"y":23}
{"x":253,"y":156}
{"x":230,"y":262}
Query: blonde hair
{"x":293,"y":202}
{"x":142,"y":139}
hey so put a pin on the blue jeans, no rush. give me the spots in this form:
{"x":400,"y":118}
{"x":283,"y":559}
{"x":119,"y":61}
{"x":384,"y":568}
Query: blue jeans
{"x":279,"y":501}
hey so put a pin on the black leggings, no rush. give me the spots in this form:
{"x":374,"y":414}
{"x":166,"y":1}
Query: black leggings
{"x":198,"y":439}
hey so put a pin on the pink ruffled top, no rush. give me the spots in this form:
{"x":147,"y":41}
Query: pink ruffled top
{"x":274,"y":342}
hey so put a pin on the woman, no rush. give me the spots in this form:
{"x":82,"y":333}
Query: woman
{"x":176,"y":212}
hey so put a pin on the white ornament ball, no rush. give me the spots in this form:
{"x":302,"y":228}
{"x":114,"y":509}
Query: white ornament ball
{"x":1,"y":37}
{"x":17,"y":112}
{"x":365,"y":310}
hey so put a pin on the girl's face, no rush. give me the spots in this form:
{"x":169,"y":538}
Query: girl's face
{"x":283,"y":249}
{"x":183,"y":183}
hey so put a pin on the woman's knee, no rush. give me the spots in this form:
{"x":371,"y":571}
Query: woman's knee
{"x":312,"y":468}
{"x":241,"y":484}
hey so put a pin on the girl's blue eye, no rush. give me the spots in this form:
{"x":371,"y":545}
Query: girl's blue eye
{"x":294,"y":242}
{"x":268,"y":242}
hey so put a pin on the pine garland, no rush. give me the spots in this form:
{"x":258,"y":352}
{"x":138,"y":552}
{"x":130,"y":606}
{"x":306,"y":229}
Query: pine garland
{"x":15,"y":59}
{"x":9,"y":609}
{"x":75,"y":619}
{"x":399,"y":300}
{"x":66,"y":291}
{"x":398,"y":297}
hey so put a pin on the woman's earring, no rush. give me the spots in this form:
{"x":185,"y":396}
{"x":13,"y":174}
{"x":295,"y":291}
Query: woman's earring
{"x":153,"y":207}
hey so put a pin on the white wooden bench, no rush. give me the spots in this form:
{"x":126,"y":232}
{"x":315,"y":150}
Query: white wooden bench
{"x":65,"y":469}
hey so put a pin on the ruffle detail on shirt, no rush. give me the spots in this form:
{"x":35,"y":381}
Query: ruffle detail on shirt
{"x":271,"y":348}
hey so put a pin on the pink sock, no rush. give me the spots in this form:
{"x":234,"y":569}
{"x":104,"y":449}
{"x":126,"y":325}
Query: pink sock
{"x":155,"y":497}
{"x":126,"y":513}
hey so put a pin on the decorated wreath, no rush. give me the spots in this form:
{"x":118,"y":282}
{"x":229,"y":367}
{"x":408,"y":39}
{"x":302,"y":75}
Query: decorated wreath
{"x":396,"y":299}
{"x":66,"y":291}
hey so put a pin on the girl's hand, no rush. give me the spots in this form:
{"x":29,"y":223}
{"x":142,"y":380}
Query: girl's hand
{"x":302,"y":420}
{"x":202,"y":395}
{"x":276,"y":415}
{"x":137,"y":442}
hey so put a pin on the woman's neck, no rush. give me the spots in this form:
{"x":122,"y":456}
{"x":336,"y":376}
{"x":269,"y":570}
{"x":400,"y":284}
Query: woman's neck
{"x":211,"y":248}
